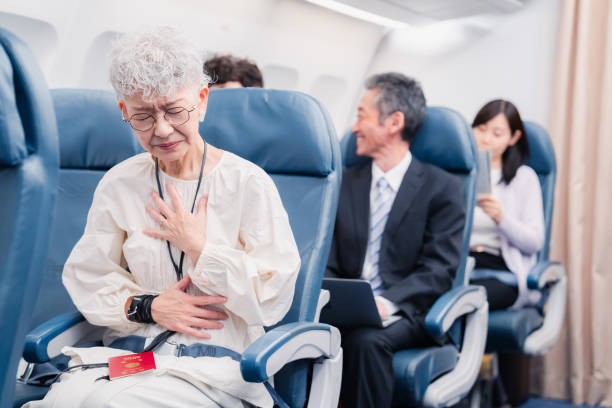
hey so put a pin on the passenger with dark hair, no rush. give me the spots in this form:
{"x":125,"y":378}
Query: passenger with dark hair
{"x":250,"y":75}
{"x":228,"y":71}
{"x":399,"y":225}
{"x":508,"y":227}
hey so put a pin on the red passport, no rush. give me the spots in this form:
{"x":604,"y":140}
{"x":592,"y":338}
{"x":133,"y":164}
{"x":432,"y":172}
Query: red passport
{"x":123,"y":366}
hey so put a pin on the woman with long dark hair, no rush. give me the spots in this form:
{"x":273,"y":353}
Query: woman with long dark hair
{"x":508,"y":228}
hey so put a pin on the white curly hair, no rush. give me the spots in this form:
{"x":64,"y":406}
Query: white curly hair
{"x":155,"y":62}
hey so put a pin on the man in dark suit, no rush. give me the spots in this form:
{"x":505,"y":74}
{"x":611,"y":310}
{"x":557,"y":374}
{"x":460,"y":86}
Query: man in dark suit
{"x":399,"y":225}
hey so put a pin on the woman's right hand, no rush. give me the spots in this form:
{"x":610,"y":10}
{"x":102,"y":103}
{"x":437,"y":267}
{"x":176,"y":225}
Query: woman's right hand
{"x":176,"y":310}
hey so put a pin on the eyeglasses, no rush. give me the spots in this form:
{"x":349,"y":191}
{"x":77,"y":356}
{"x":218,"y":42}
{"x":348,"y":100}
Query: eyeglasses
{"x":145,"y":121}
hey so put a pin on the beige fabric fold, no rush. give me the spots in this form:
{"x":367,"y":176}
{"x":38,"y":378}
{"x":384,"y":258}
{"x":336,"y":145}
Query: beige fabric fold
{"x":579,"y":367}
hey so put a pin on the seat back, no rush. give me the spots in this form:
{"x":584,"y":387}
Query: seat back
{"x":292,"y":138}
{"x":286,"y":133}
{"x":92,"y":139}
{"x":28,"y":182}
{"x":542,"y":161}
{"x":444,"y":140}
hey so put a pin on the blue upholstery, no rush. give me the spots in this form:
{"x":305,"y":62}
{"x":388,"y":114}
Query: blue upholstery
{"x":12,"y":134}
{"x":542,"y":161}
{"x":255,"y":358}
{"x":28,"y":181}
{"x":508,"y":329}
{"x":25,"y":393}
{"x":92,"y":134}
{"x":232,"y":125}
{"x":416,"y":368}
{"x":443,"y":310}
{"x":92,"y":140}
{"x":287,"y":133}
{"x":444,"y":140}
{"x":305,"y":165}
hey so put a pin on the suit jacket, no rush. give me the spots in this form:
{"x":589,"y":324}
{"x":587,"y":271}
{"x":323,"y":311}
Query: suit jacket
{"x":422,"y":240}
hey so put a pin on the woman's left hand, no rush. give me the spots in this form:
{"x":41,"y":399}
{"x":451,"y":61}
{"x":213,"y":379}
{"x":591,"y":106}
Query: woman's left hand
{"x":184,"y":230}
{"x":491,"y":206}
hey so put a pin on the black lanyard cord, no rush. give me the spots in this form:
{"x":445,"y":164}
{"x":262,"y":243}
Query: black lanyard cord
{"x":179,"y":268}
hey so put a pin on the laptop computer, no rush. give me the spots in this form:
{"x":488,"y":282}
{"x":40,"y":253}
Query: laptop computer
{"x":352,"y":304}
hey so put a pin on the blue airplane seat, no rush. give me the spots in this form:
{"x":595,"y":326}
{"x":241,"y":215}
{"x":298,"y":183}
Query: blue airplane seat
{"x":533,"y":330}
{"x":92,"y":139}
{"x":289,"y":135}
{"x":441,"y":376}
{"x":28,"y":183}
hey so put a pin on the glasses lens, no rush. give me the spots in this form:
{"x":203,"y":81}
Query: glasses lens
{"x":142,"y":121}
{"x":177,"y":116}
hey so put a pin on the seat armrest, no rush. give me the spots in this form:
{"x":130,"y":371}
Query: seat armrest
{"x":544,"y":273}
{"x":453,"y":304}
{"x":449,"y":388}
{"x":470,"y":263}
{"x":324,"y":297}
{"x":46,"y":341}
{"x":542,"y":339}
{"x":287,"y":343}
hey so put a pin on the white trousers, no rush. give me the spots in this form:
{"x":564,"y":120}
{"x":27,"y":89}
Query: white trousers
{"x":79,"y":389}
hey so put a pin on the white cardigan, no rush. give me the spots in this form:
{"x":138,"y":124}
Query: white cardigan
{"x":522,"y":228}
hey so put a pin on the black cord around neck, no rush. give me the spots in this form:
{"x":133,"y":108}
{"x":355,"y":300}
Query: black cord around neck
{"x":179,"y":268}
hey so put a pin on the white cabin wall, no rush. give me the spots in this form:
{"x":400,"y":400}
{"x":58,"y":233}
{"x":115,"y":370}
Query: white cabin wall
{"x":298,"y":45}
{"x":464,"y":63}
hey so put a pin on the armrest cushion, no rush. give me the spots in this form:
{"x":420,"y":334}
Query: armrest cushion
{"x":451,"y":305}
{"x":36,"y":348}
{"x":287,"y":343}
{"x":544,"y":273}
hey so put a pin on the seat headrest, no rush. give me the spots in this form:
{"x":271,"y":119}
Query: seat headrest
{"x":91,"y":132}
{"x":280,"y":131}
{"x":541,"y":151}
{"x":93,"y":136}
{"x":444,"y":140}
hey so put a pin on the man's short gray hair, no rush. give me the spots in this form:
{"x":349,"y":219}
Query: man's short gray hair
{"x":155,"y":62}
{"x":399,"y":93}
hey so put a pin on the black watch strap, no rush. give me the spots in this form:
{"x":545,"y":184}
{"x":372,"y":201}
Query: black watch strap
{"x":140,"y":309}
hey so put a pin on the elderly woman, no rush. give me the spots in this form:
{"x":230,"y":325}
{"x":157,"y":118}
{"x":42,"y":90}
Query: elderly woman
{"x":187,"y":249}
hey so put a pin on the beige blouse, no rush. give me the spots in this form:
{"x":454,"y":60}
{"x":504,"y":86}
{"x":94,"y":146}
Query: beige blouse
{"x":250,"y":257}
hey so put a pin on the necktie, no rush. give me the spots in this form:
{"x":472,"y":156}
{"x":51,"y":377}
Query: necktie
{"x":379,"y":212}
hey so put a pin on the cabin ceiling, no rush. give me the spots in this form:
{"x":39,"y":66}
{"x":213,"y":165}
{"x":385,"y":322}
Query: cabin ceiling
{"x":418,"y":12}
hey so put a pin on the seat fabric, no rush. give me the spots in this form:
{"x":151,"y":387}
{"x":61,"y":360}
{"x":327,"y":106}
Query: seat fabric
{"x":75,"y":194}
{"x":416,"y":368}
{"x":25,"y":393}
{"x":508,"y":329}
{"x":28,"y":184}
{"x":301,"y":154}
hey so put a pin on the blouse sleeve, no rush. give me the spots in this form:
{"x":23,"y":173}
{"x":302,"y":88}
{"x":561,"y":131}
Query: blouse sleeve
{"x":259,"y":278}
{"x":525,"y":231}
{"x":95,"y":273}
